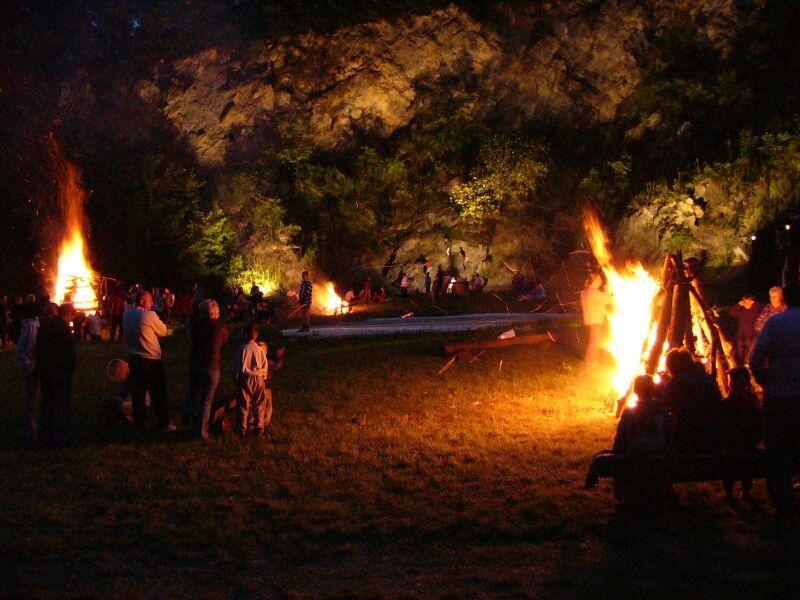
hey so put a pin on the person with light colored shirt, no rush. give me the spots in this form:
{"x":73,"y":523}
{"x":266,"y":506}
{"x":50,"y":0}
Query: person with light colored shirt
{"x":251,"y":369}
{"x":595,"y":302}
{"x":775,"y":363}
{"x":141,"y":329}
{"x":94,"y":328}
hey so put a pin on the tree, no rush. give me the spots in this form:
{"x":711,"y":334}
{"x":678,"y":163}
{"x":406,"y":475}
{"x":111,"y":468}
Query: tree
{"x":502,"y":185}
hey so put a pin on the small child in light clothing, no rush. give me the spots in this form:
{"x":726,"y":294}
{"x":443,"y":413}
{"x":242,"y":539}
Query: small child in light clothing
{"x":251,"y":370}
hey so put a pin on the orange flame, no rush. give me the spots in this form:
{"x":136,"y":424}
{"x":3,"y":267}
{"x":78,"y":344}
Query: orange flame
{"x":330,"y":301}
{"x":74,"y":278}
{"x":630,"y":327}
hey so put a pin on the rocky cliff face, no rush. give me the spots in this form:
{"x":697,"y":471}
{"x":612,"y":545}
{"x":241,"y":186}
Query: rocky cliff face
{"x":579,"y":58}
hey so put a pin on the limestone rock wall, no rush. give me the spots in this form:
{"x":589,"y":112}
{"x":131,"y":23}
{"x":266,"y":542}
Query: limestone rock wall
{"x":560,"y":58}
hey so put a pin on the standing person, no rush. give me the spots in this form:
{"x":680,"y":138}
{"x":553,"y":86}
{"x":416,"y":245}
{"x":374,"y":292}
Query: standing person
{"x":198,"y":295}
{"x":184,"y":309}
{"x":169,"y":304}
{"x":116,"y":311}
{"x":428,"y":282}
{"x":141,"y":329}
{"x":595,"y":302}
{"x":305,"y":295}
{"x":438,"y":283}
{"x":776,"y":305}
{"x":775,"y":362}
{"x":55,"y":366}
{"x":251,"y":369}
{"x":25,"y":350}
{"x":741,"y":420}
{"x":209,"y":335}
{"x":158,"y":302}
{"x":745,"y":312}
{"x":274,"y":363}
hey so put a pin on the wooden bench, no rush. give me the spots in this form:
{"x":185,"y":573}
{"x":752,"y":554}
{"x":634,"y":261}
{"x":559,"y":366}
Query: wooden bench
{"x":676,"y":468}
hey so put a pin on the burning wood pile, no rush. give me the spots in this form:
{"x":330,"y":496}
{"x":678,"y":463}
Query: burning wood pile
{"x":75,"y":279}
{"x":647,"y":317}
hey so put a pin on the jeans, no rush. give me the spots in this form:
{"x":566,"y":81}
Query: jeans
{"x":202,"y":387}
{"x":33,"y":396}
{"x":56,"y":396}
{"x":782,"y":442}
{"x":148,"y":375}
{"x":306,"y":314}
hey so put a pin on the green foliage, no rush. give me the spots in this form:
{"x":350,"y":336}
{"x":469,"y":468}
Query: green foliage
{"x":502,"y":185}
{"x":262,"y":249}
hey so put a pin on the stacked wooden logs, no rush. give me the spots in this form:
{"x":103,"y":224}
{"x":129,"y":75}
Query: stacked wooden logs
{"x":680,"y":304}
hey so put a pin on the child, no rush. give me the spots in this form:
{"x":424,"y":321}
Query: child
{"x":251,"y":370}
{"x":741,"y":416}
{"x":118,"y":405}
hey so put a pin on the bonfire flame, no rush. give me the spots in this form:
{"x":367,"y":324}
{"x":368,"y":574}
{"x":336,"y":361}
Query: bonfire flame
{"x":74,"y":278}
{"x":631,"y":327}
{"x":331,"y":302}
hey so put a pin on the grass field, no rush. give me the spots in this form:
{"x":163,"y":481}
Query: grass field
{"x":380,"y":479}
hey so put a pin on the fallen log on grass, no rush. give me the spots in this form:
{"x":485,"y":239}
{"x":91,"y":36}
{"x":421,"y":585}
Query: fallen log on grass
{"x":520,"y":340}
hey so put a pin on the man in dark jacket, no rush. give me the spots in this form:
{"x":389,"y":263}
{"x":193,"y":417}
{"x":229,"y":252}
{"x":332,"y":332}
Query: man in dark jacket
{"x":55,"y":367}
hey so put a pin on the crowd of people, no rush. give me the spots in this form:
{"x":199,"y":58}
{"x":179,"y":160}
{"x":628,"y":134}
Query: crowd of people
{"x":45,"y":340}
{"x":686,"y":412}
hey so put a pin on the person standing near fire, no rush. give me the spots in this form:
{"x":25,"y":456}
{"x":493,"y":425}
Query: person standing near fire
{"x":116,"y":309}
{"x":776,"y":305}
{"x":775,"y":362}
{"x":306,"y":293}
{"x":25,"y":349}
{"x":595,"y":303}
{"x":54,"y":360}
{"x":141,"y":329}
{"x":746,"y":313}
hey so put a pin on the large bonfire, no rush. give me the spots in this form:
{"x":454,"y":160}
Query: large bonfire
{"x":649,"y":316}
{"x":75,"y":277}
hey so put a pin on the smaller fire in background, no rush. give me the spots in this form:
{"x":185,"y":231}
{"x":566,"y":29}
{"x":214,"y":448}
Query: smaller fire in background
{"x":329,"y":301}
{"x":75,"y":277}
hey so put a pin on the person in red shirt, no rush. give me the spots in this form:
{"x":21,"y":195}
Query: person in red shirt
{"x":746,"y":313}
{"x":184,"y":308}
{"x":116,"y":309}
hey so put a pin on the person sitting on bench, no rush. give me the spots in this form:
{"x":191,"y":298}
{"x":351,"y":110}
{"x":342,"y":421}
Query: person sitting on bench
{"x":642,"y":430}
{"x":642,"y":427}
{"x":741,"y":417}
{"x":693,"y":402}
